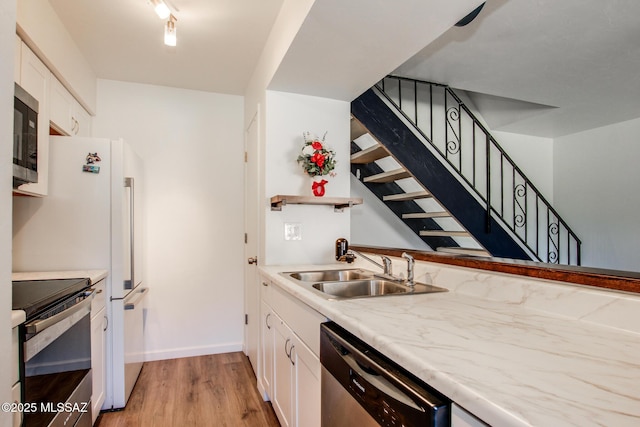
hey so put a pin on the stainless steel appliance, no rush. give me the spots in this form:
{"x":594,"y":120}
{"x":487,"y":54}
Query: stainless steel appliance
{"x":94,"y":207}
{"x":25,"y":138}
{"x":55,"y":351}
{"x":361,"y":387}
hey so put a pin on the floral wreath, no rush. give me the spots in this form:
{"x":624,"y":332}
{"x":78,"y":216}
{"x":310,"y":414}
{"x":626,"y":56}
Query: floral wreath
{"x":316,"y":159}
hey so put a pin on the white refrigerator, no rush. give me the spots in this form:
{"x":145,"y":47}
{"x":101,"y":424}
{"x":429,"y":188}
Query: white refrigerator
{"x":92,"y":219}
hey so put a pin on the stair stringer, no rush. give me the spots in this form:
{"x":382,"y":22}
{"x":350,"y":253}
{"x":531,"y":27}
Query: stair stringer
{"x":407,"y":149}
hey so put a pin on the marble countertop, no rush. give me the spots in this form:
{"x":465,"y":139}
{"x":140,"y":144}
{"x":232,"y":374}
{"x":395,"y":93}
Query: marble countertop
{"x":508,"y":364}
{"x":94,"y":275}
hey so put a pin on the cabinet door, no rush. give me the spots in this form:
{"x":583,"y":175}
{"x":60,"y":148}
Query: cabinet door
{"x":35,"y":79}
{"x":267,"y":335}
{"x":61,"y":108}
{"x":282,"y":398}
{"x":82,"y":120}
{"x":98,"y":360}
{"x":462,"y":418}
{"x":306,"y":376}
{"x":17,"y":62}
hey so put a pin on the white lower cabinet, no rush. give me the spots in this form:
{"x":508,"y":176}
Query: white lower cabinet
{"x":99,"y":325}
{"x":290,"y":368}
{"x":283,"y":399}
{"x":15,"y":377}
{"x":306,"y":378}
{"x":460,"y":417}
{"x":267,"y":334}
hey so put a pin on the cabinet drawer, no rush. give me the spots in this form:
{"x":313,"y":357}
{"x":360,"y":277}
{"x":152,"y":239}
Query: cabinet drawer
{"x":100,"y":298}
{"x":305,"y":320}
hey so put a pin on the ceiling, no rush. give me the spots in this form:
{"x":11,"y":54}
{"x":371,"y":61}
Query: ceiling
{"x":538,"y":67}
{"x":576,"y":63}
{"x":219,"y":41}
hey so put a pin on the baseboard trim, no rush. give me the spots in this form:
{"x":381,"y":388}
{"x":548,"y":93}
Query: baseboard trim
{"x":178,"y":353}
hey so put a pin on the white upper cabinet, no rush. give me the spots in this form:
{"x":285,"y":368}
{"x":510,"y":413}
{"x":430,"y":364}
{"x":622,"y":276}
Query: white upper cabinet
{"x":67,"y":115}
{"x":35,"y":78}
{"x":17,"y":60}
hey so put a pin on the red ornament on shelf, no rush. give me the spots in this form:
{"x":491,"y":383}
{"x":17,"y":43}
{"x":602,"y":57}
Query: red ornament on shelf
{"x":318,"y":188}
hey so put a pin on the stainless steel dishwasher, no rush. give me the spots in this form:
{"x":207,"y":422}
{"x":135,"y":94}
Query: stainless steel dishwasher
{"x":361,"y":387}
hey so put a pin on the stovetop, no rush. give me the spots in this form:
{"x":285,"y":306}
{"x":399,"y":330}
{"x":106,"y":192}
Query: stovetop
{"x":34,"y":296}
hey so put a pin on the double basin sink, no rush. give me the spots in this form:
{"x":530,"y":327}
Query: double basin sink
{"x":356,"y":283}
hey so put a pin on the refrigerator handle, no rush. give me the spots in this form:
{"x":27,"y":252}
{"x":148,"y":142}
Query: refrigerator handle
{"x":129,"y":183}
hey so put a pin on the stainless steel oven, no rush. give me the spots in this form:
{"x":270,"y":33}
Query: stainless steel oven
{"x":361,"y":387}
{"x":25,"y":138}
{"x":55,"y":356}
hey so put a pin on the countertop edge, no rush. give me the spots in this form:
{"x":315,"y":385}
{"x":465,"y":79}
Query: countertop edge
{"x":94,"y":275}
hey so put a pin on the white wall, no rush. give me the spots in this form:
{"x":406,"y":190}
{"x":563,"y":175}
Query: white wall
{"x":7,"y":45}
{"x":287,"y":117}
{"x":374,"y":224}
{"x":534,"y":156}
{"x":192,"y":144}
{"x":596,"y":178}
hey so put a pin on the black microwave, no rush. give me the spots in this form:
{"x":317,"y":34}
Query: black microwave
{"x":25,"y":138}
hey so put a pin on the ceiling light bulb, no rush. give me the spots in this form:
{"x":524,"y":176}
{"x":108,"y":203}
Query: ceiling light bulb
{"x":162,"y":10}
{"x":170,"y":32}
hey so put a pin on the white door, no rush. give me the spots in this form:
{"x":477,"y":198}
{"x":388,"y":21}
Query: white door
{"x":251,"y":227}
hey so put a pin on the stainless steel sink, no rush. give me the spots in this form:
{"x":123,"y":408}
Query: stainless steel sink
{"x":372,"y":288}
{"x":331,"y":275}
{"x":361,"y":288}
{"x":355,"y":283}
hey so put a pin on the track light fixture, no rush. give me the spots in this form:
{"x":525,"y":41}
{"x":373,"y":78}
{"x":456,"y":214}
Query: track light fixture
{"x":161,"y":8}
{"x":170,"y":38}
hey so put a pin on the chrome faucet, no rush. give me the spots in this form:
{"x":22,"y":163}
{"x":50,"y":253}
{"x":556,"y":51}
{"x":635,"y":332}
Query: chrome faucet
{"x":410,"y":263}
{"x":344,"y":254}
{"x":387,"y":265}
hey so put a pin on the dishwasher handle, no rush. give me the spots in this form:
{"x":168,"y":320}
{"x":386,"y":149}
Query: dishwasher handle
{"x":367,"y":374}
{"x":390,"y":394}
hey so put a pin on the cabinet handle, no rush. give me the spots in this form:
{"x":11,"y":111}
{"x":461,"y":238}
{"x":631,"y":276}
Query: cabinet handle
{"x":265,"y":284}
{"x":106,"y":323}
{"x":291,"y":355}
{"x":98,"y":291}
{"x":285,"y":348}
{"x":266,"y":320}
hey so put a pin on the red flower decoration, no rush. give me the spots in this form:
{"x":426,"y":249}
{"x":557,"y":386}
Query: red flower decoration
{"x":316,"y":145}
{"x":318,"y":159}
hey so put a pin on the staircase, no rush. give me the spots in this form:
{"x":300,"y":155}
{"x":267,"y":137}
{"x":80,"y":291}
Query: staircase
{"x":422,"y":152}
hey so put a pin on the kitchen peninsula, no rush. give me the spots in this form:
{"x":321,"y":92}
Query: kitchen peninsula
{"x":511,"y":350}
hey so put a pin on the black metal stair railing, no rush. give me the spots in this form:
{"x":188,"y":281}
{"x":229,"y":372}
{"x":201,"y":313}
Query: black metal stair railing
{"x":453,"y":133}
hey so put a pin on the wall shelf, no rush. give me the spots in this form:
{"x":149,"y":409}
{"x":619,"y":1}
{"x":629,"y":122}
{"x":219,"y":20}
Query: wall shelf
{"x":338,"y":203}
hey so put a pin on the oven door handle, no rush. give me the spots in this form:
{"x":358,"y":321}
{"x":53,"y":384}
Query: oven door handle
{"x":40,"y":325}
{"x":48,"y":330}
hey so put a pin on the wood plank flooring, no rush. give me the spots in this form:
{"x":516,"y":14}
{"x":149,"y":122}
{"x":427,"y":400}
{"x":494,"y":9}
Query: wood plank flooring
{"x":214,"y":390}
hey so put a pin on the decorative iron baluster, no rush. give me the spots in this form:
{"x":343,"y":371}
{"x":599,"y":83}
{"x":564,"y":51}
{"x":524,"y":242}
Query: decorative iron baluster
{"x":453,"y":147}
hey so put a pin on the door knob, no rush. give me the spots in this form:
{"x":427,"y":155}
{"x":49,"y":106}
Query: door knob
{"x":252,"y":260}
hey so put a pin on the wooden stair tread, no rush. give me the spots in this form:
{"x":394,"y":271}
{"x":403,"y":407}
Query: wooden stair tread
{"x":388,"y":176}
{"x":369,"y":155}
{"x":401,"y":197}
{"x":443,"y":233}
{"x":357,"y":129}
{"x":464,"y":251}
{"x":426,"y":215}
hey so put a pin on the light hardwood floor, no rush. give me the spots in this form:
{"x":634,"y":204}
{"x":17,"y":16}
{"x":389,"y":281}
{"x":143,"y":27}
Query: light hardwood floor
{"x":215,"y":390}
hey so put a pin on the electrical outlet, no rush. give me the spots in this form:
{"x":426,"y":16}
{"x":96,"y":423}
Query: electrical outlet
{"x":292,"y":231}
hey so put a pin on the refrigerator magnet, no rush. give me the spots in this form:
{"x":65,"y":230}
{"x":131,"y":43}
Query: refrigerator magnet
{"x":91,"y":168}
